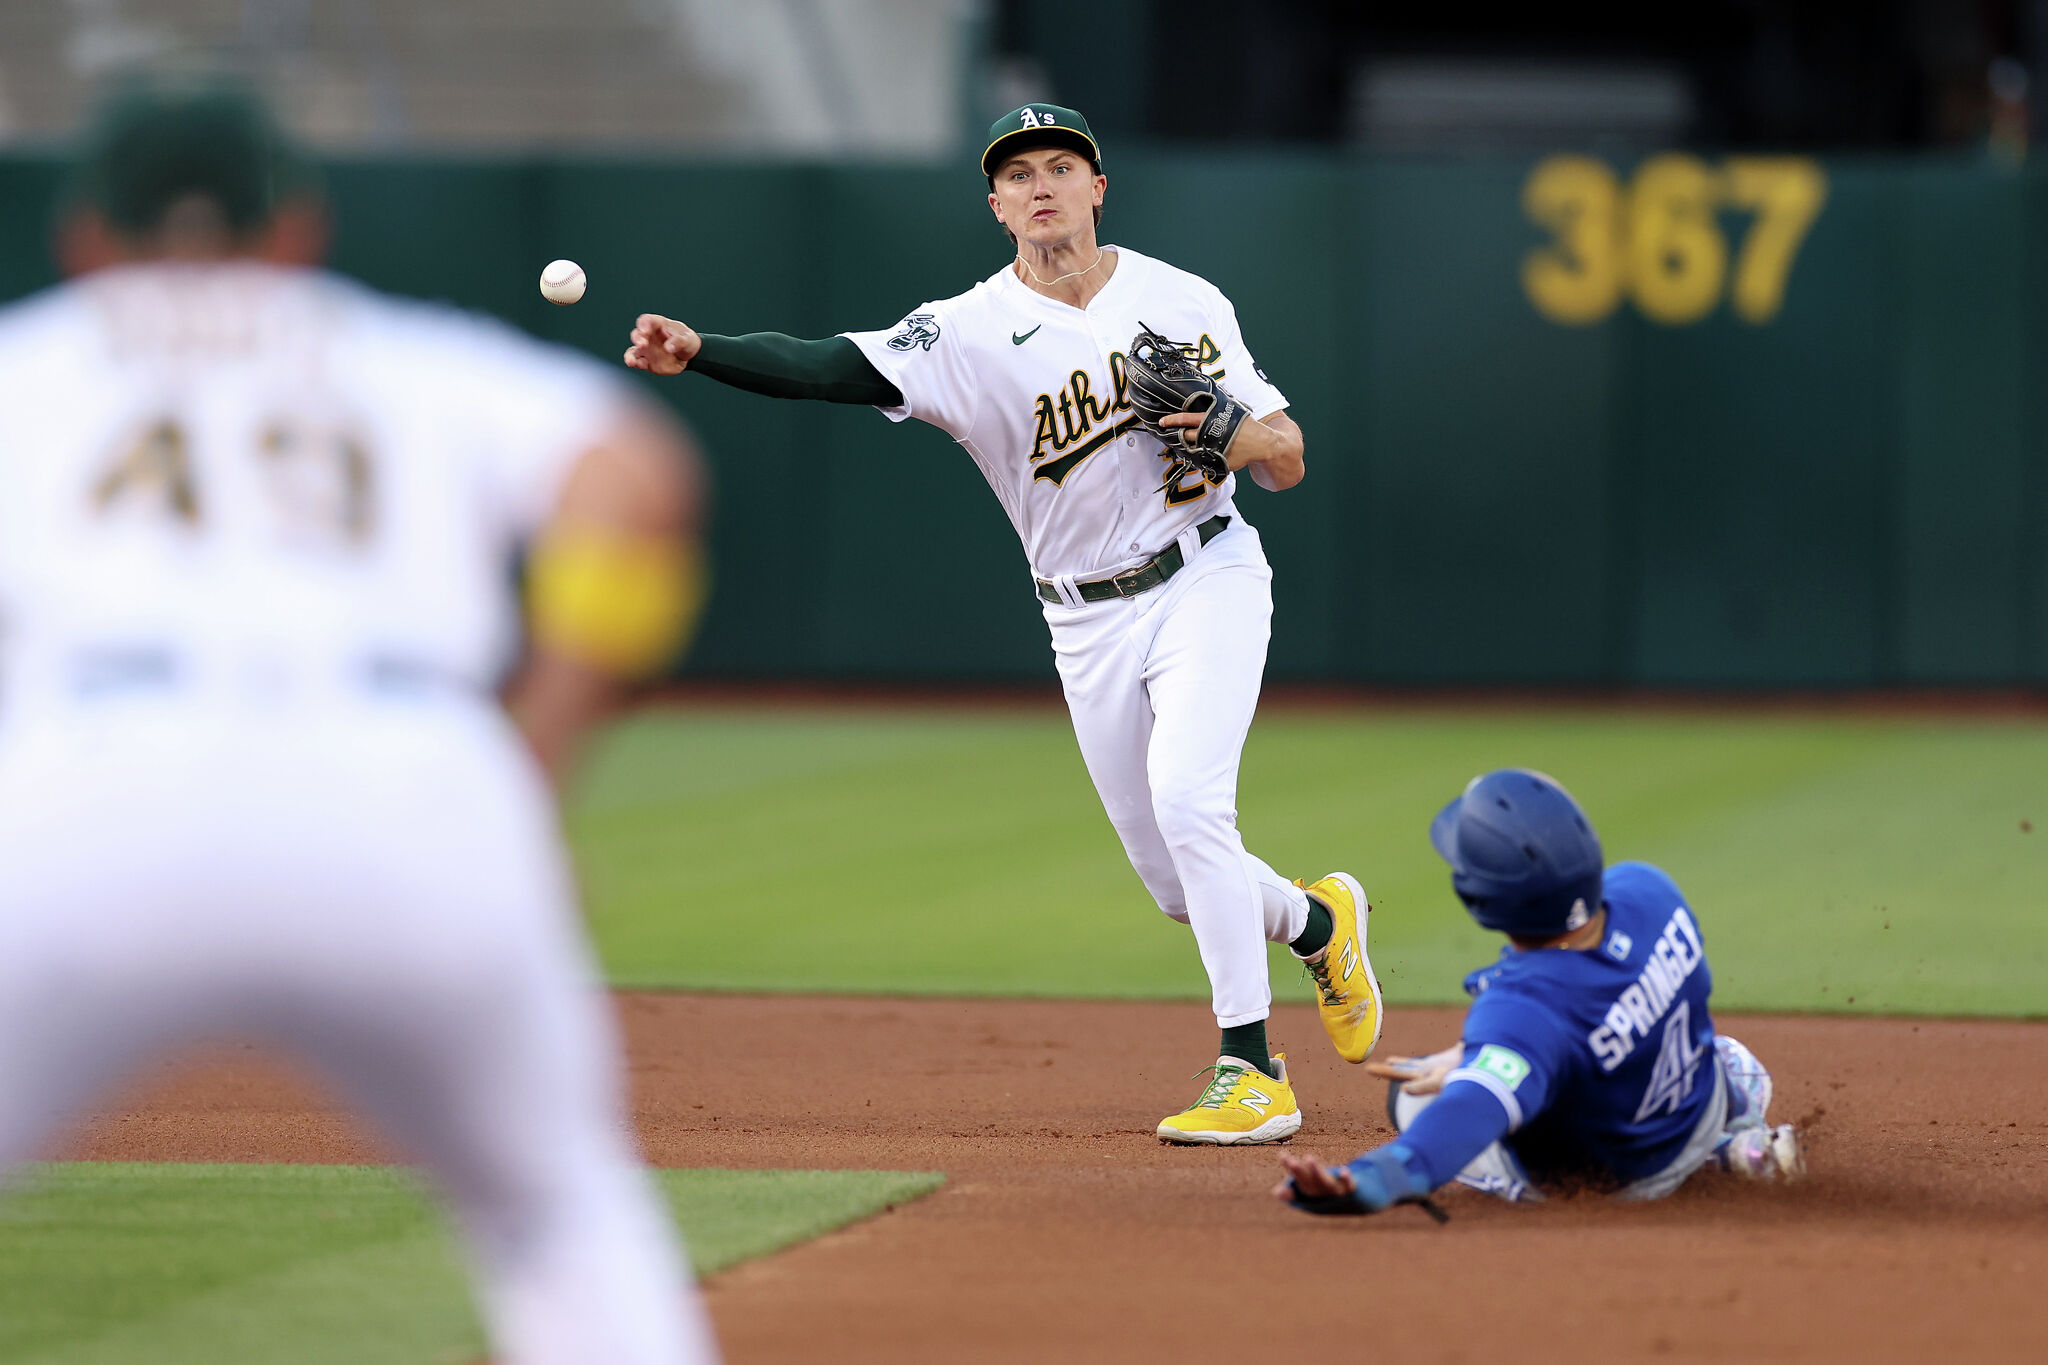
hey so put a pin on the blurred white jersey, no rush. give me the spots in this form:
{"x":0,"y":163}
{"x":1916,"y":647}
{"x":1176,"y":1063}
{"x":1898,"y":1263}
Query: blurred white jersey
{"x":255,"y":528}
{"x":258,"y":485}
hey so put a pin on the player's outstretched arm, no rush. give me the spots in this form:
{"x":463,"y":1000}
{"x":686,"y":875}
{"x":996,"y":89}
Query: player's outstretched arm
{"x":832,"y":370}
{"x":1457,"y":1126}
{"x":615,"y":582}
{"x":1376,"y":1181}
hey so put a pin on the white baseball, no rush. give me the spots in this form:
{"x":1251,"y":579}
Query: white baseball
{"x":562,"y":282}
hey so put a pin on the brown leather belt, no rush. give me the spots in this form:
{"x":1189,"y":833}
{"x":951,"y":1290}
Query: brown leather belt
{"x":1144,"y":577}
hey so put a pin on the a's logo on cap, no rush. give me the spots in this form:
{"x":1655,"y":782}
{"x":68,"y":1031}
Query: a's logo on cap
{"x":1031,"y":118}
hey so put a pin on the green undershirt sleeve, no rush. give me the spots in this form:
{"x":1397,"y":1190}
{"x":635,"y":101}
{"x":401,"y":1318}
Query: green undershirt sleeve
{"x":779,"y":366}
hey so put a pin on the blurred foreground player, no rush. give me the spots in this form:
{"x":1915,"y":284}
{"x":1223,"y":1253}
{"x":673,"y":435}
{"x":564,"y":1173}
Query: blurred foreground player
{"x":254,"y":780}
{"x":1588,"y":1051}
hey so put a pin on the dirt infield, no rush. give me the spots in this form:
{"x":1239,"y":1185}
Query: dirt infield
{"x":1066,"y":1231}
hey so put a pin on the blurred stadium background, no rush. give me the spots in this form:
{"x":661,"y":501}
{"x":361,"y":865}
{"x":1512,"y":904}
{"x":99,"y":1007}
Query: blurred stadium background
{"x":1685,"y":355}
{"x":1649,"y":350}
{"x":1692,"y":349}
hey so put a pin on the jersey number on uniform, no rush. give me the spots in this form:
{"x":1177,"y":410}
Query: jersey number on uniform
{"x":157,"y":466}
{"x":317,"y":482}
{"x":1183,"y":482}
{"x":1678,"y":1062}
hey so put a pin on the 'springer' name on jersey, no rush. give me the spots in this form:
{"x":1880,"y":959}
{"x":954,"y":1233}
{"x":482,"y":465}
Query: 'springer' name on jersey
{"x":1677,"y":954}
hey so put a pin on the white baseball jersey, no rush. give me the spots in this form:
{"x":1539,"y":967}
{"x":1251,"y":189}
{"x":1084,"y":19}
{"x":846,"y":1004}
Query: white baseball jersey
{"x":254,"y":482}
{"x":1035,"y":390}
{"x":254,"y":586}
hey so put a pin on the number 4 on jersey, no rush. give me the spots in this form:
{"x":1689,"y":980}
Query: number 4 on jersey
{"x":157,"y":466}
{"x":1678,"y":1062}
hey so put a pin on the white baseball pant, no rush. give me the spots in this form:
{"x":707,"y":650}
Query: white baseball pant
{"x":379,"y":888}
{"x":1162,"y":687}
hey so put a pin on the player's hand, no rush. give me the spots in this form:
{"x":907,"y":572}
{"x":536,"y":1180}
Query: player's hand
{"x":1270,"y":448}
{"x":662,"y":345}
{"x":1378,"y":1180}
{"x":1419,"y":1075}
{"x":1309,"y":1181}
{"x":1241,"y":452}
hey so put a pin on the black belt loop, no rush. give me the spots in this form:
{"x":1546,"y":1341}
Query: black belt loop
{"x":1144,"y":577}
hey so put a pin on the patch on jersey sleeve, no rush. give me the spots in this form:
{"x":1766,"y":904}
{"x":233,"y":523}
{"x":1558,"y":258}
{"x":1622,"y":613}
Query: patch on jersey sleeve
{"x":919,"y":329}
{"x":1503,"y":1064}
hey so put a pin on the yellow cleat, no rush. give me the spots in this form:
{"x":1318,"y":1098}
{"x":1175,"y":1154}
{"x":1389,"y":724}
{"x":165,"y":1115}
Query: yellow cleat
{"x":1347,"y":993}
{"x":1242,"y":1104}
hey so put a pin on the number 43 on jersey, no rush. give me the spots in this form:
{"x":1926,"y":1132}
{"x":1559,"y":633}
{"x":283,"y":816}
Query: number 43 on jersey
{"x":317,"y":484}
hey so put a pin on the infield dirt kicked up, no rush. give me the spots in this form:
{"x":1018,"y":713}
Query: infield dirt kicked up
{"x":1066,"y":1231}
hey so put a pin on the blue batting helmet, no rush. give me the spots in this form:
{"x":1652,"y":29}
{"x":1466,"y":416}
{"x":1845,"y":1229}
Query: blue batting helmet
{"x":1523,"y":856}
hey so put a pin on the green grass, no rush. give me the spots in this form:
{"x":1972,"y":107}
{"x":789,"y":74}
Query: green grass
{"x":1872,"y":864}
{"x":225,"y":1264}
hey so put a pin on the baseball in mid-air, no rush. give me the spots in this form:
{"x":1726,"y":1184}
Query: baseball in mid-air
{"x":562,"y":282}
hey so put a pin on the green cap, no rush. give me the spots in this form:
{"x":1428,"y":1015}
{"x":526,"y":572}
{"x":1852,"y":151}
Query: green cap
{"x":1037,"y":125}
{"x":158,"y":137}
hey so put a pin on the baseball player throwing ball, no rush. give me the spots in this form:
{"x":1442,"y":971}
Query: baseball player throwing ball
{"x":1111,"y":402}
{"x":1588,"y":1051}
{"x":254,"y":778}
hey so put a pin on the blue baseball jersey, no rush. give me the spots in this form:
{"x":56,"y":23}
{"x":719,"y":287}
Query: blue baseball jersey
{"x":1601,"y":1056}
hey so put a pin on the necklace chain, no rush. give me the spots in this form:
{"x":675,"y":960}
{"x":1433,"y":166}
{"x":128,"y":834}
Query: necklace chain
{"x":1047,"y":284}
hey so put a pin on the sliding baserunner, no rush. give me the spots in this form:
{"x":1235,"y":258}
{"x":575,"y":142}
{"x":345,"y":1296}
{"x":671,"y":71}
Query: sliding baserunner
{"x":1588,"y":1052}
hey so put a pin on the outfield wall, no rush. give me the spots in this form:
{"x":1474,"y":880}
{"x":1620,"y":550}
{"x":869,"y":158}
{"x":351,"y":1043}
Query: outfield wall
{"x":1697,"y":423}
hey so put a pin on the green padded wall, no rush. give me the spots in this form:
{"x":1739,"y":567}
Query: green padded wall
{"x":1852,"y":491}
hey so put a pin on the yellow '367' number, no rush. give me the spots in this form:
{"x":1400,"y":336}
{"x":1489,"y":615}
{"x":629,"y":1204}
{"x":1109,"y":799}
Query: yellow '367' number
{"x":1658,"y":239}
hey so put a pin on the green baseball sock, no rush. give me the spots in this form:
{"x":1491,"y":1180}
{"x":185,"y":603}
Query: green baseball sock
{"x":1247,"y":1043}
{"x":1316,"y":936}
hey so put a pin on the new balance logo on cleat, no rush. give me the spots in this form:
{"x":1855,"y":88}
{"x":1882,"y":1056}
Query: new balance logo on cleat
{"x":1239,"y":1105}
{"x":1348,"y":995}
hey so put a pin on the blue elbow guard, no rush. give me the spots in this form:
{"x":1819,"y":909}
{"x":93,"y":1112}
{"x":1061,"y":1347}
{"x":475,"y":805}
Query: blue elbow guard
{"x":1384,"y":1177}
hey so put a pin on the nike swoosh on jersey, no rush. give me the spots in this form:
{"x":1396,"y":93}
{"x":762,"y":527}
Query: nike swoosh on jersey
{"x":1016,"y":340}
